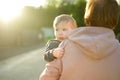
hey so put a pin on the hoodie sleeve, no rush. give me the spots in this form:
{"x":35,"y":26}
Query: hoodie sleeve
{"x":52,"y":70}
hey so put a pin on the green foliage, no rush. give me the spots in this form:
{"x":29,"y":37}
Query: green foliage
{"x":117,"y":29}
{"x":48,"y":38}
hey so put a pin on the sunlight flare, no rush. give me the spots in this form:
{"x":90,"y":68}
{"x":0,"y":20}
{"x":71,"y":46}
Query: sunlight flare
{"x":10,"y":9}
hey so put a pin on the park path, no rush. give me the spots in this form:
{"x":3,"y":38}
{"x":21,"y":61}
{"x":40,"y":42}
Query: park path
{"x":25,"y":66}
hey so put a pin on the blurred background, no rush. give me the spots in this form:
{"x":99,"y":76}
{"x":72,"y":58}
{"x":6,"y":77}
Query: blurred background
{"x":25,"y":27}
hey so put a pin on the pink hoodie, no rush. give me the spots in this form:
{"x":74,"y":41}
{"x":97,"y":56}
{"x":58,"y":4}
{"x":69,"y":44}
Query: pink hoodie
{"x":91,"y":53}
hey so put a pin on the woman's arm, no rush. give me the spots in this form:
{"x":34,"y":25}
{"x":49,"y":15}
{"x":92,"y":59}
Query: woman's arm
{"x":52,"y":70}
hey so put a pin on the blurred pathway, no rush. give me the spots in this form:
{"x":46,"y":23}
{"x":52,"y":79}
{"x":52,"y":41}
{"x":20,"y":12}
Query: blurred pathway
{"x":25,"y":66}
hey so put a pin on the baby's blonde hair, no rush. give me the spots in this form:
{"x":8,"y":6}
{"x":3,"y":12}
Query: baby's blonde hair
{"x":64,"y":18}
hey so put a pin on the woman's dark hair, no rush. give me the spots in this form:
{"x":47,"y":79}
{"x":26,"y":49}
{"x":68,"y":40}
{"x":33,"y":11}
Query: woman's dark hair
{"x":104,"y":13}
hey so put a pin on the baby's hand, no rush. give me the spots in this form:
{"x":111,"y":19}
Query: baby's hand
{"x":58,"y":52}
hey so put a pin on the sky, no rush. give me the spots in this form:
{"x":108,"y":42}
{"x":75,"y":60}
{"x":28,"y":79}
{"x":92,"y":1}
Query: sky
{"x":12,"y":8}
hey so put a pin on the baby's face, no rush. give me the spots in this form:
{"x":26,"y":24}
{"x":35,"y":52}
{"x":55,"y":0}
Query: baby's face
{"x":62,"y":28}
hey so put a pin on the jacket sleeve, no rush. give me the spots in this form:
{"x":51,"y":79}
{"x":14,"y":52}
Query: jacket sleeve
{"x":52,"y":70}
{"x":50,"y":45}
{"x":48,"y":56}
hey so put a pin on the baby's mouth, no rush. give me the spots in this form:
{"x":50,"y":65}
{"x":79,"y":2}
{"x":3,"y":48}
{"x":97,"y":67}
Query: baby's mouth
{"x":61,"y":38}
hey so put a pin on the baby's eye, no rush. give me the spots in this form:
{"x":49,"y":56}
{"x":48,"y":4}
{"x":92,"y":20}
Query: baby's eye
{"x":56,"y":29}
{"x":64,"y":29}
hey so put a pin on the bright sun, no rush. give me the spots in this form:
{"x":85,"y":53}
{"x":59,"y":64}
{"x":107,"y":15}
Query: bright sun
{"x":8,"y":13}
{"x":9,"y":9}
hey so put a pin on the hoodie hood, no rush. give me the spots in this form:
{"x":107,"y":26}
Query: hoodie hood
{"x":96,"y":42}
